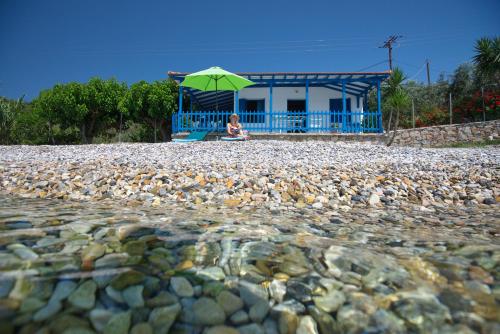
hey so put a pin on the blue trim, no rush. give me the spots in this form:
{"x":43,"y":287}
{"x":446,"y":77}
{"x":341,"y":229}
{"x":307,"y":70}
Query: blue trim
{"x":271,"y":106}
{"x":236,"y":101}
{"x":344,"y":108}
{"x":307,"y":103}
{"x":379,"y":108}
{"x":179,"y":119}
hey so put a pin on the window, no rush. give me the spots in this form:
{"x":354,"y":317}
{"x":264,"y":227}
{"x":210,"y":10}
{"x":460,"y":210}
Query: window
{"x":252,"y":111}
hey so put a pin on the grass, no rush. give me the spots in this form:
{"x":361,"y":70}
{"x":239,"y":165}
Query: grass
{"x":483,"y":143}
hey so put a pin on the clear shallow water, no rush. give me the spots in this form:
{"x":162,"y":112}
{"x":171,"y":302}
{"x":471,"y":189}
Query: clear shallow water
{"x":101,"y":267}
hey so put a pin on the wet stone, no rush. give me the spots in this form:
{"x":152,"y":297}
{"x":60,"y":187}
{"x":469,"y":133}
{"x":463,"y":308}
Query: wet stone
{"x":330,"y":302}
{"x":239,"y":317}
{"x":229,"y":302}
{"x":251,"y":329}
{"x":99,"y":318}
{"x":142,"y":328}
{"x":252,"y":293}
{"x":119,"y":323}
{"x":126,"y":279}
{"x":181,"y":286}
{"x":163,"y":298}
{"x":63,"y":290}
{"x":208,"y":312}
{"x":326,"y":323}
{"x":133,"y":296}
{"x":47,"y":311}
{"x":211,"y":273}
{"x":222,"y":330}
{"x":162,"y":318}
{"x":259,"y":311}
{"x":84,"y":296}
{"x":307,"y":325}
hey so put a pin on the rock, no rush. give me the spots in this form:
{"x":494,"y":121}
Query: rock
{"x":222,"y":330}
{"x":181,"y":286}
{"x":211,"y":273}
{"x":277,"y":290}
{"x":270,"y":326}
{"x":288,"y":323}
{"x":208,"y":312}
{"x":112,"y":260}
{"x":142,"y":328}
{"x":162,"y":318}
{"x":6,"y":285}
{"x":164,"y":298}
{"x":374,"y":199}
{"x":119,"y":323}
{"x":387,"y":322}
{"x":65,"y":322}
{"x":307,"y":325}
{"x":240,"y":317}
{"x":421,"y":310}
{"x":135,"y":247}
{"x":31,"y":304}
{"x":84,"y":296}
{"x":126,"y":279}
{"x":229,"y":302}
{"x":489,"y":201}
{"x":455,"y":301}
{"x":26,"y":254}
{"x":290,"y":306}
{"x":252,"y":293}
{"x":114,"y":294}
{"x":351,"y":320}
{"x":325,"y":321}
{"x":251,"y":329}
{"x":330,"y":302}
{"x":63,"y":290}
{"x":92,"y":252}
{"x":133,"y":296}
{"x":47,"y":311}
{"x":99,"y":318}
{"x":258,"y":311}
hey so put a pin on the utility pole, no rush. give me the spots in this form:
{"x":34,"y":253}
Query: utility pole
{"x":428,"y":73}
{"x":451,"y":116}
{"x":413,"y":113}
{"x":388,"y":45}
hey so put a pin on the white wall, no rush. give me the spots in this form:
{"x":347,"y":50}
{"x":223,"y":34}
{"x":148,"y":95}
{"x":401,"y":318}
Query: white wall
{"x":319,"y":97}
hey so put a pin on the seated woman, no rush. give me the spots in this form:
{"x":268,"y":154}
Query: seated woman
{"x":234,"y":128}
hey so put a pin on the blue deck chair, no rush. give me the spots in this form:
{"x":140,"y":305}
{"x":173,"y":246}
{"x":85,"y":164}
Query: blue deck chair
{"x":193,"y":136}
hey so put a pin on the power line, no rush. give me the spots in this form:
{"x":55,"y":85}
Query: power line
{"x":371,"y":66}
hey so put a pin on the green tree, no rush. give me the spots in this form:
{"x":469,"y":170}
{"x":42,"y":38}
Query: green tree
{"x":8,"y":112}
{"x":97,"y":106}
{"x":153,"y":104}
{"x":487,"y":57}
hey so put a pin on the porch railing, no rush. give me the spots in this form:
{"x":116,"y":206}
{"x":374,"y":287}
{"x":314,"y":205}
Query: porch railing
{"x":281,"y":121}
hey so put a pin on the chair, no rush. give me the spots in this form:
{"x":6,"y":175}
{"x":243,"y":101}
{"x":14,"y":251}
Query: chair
{"x":193,"y":136}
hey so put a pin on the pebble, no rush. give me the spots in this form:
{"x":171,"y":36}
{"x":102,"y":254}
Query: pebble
{"x":181,"y":286}
{"x":252,"y":293}
{"x":47,"y":311}
{"x":119,"y":323}
{"x":84,"y":296}
{"x":133,"y":296}
{"x":208,"y":312}
{"x":259,"y":311}
{"x":99,"y":318}
{"x":239,"y":317}
{"x":307,"y":325}
{"x":229,"y":302}
{"x":162,"y":318}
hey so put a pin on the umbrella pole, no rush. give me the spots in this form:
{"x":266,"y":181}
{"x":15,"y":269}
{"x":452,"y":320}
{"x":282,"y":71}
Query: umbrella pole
{"x":216,"y":110}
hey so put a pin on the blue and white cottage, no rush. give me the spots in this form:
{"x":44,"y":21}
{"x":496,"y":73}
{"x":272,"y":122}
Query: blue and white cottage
{"x":286,"y":102}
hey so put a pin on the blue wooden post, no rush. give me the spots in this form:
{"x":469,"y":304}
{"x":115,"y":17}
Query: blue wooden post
{"x":307,"y":105}
{"x":357,"y":117}
{"x":271,"y":107}
{"x":190,"y":101}
{"x":179,"y":118}
{"x":379,"y":108}
{"x":344,"y":108}
{"x":236,"y":102}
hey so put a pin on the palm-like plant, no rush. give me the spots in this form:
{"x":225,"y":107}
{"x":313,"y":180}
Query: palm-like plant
{"x":487,"y":57}
{"x":397,"y":99}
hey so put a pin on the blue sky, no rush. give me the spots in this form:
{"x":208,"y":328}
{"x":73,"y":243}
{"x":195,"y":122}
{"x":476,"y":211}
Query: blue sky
{"x":47,"y":42}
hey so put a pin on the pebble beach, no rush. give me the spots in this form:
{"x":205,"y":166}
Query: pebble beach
{"x":257,"y":237}
{"x":276,"y":175}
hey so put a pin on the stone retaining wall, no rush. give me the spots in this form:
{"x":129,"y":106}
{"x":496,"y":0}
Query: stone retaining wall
{"x":448,"y":134}
{"x":429,"y":136}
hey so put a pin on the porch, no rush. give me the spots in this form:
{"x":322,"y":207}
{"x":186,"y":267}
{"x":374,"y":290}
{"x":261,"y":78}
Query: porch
{"x":286,"y":103}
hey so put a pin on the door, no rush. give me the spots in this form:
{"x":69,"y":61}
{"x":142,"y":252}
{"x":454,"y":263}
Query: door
{"x":252,"y":111}
{"x":296,"y":115}
{"x":336,"y":105}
